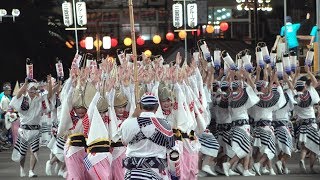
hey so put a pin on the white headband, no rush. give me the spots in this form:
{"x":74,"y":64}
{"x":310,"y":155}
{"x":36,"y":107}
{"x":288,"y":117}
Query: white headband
{"x":32,"y":84}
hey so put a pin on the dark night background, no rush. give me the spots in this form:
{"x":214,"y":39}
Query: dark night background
{"x":29,"y":35}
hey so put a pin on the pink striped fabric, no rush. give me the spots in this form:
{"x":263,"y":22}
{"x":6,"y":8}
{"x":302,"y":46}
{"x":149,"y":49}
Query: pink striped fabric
{"x":75,"y":166}
{"x":116,"y":167}
{"x":101,"y":171}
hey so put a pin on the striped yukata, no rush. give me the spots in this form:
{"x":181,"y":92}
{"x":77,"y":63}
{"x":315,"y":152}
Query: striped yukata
{"x":209,"y":144}
{"x":30,"y":111}
{"x":223,"y":120}
{"x":281,"y":122}
{"x":308,"y":129}
{"x":240,"y":132}
{"x":56,"y":144}
{"x":264,"y":137}
{"x":148,"y":138}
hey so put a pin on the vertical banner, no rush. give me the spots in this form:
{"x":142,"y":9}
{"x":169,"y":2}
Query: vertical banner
{"x":59,"y":69}
{"x":67,"y":14}
{"x":29,"y":71}
{"x":29,"y":68}
{"x":81,"y":13}
{"x":192,"y":15}
{"x":177,"y":15}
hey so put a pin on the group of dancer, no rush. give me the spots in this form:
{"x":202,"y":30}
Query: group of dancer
{"x":175,"y":121}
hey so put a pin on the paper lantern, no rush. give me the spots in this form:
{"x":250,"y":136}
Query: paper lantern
{"x":224,"y":26}
{"x":170,"y":36}
{"x":156,"y":39}
{"x":114,"y":42}
{"x":83,"y":43}
{"x":182,"y":34}
{"x":97,"y":43}
{"x":106,"y":42}
{"x":140,"y":41}
{"x":127,"y":41}
{"x":198,"y":32}
{"x":89,"y":42}
{"x":210,"y":29}
{"x":148,"y":53}
{"x":68,"y":44}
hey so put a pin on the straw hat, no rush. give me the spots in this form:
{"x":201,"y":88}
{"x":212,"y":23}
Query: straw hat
{"x":120,"y":99}
{"x":16,"y":89}
{"x":102,"y":105}
{"x":89,"y":92}
{"x":83,"y":98}
{"x":77,"y":100}
{"x":165,"y":92}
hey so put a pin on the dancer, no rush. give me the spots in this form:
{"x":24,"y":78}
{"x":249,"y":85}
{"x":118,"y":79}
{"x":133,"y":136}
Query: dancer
{"x":30,"y":105}
{"x":242,"y":99}
{"x":308,"y":136}
{"x":147,"y":138}
{"x":270,"y":100}
{"x":281,"y":122}
{"x":56,"y":144}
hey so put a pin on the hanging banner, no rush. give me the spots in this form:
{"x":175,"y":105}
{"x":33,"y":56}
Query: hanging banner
{"x":29,"y":68}
{"x":177,"y":15}
{"x":67,"y":14}
{"x":192,"y":15}
{"x":81,"y":11}
{"x":59,"y":70}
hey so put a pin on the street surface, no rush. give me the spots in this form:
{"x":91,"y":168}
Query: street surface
{"x":9,"y":170}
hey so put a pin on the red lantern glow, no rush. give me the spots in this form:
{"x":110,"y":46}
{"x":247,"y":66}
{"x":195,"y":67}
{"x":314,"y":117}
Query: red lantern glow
{"x":224,"y":26}
{"x":198,"y":32}
{"x":170,"y":36}
{"x":83,"y":43}
{"x":140,"y":41}
{"x":114,"y":42}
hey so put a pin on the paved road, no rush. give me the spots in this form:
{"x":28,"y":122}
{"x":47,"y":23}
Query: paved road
{"x":9,"y":170}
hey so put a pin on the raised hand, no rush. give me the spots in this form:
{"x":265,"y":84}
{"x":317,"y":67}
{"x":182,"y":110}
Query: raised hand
{"x":307,"y":68}
{"x":178,"y":59}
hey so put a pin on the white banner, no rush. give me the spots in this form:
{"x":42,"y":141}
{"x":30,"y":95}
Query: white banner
{"x":59,"y":69}
{"x":29,"y":69}
{"x":81,"y":13}
{"x":67,"y":13}
{"x":177,"y":15}
{"x":192,"y":13}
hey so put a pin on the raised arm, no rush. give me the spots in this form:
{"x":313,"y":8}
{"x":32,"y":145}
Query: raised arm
{"x":286,"y":79}
{"x":314,"y":81}
{"x":247,"y":75}
{"x":23,"y":89}
{"x":296,"y":76}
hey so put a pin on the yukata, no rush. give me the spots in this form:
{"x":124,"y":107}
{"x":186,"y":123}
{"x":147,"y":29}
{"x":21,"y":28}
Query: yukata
{"x":281,"y":123}
{"x":308,"y":128}
{"x":148,"y":139}
{"x":264,"y":137}
{"x":30,"y":111}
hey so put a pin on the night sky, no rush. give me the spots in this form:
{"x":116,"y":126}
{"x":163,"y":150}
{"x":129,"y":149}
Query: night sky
{"x":28,"y":37}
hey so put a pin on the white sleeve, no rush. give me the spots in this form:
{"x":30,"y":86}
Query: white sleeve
{"x":16,"y":103}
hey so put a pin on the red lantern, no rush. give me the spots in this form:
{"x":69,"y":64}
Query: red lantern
{"x":198,"y":32}
{"x":140,"y":41}
{"x":114,"y":42}
{"x":170,"y":36}
{"x":83,"y":43}
{"x":224,"y":26}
